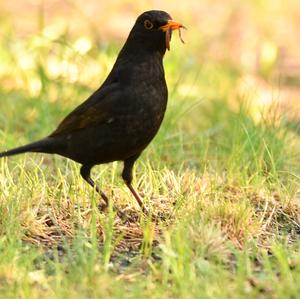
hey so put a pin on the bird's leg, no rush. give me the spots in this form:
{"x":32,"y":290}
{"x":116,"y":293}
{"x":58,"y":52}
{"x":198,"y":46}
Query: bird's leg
{"x":85,"y":172}
{"x":127,"y":177}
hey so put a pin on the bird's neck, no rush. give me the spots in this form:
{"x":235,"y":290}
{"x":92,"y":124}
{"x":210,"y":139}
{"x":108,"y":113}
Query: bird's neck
{"x":137,"y":45}
{"x":136,"y":65}
{"x":135,"y":52}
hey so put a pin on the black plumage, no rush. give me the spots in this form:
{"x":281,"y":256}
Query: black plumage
{"x":118,"y":121}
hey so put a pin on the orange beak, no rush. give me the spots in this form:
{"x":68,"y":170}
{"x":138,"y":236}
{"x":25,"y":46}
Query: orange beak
{"x":171,"y":25}
{"x":168,"y":28}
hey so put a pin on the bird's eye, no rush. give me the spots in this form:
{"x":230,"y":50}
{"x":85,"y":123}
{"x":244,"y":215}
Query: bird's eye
{"x":148,"y":25}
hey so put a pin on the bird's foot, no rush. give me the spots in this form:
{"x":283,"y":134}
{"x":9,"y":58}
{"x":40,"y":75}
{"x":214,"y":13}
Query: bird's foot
{"x":121,"y":214}
{"x":159,"y":217}
{"x":154,"y":217}
{"x":102,"y":206}
{"x":129,"y":215}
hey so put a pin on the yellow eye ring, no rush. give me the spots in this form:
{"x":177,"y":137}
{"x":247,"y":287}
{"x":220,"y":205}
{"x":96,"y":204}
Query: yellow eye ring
{"x":148,"y":25}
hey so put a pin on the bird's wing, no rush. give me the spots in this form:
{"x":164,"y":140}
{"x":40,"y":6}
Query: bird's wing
{"x":94,"y":111}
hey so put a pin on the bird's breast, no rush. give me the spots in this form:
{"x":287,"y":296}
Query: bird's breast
{"x":141,"y":106}
{"x":147,"y":112}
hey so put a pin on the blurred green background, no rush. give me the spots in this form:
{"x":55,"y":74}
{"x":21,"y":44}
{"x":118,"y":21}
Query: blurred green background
{"x":49,"y":40}
{"x":237,"y":55}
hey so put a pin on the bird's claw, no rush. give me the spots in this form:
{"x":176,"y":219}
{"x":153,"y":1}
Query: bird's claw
{"x":102,"y":207}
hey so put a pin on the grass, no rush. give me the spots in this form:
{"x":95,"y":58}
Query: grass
{"x":224,"y":182}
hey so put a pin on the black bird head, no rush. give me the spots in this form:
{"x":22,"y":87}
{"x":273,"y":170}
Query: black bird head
{"x":152,"y":31}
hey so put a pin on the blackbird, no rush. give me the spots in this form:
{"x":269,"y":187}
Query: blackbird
{"x":118,"y":121}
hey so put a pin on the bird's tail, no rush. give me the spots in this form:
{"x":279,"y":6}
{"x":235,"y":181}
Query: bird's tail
{"x":41,"y":146}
